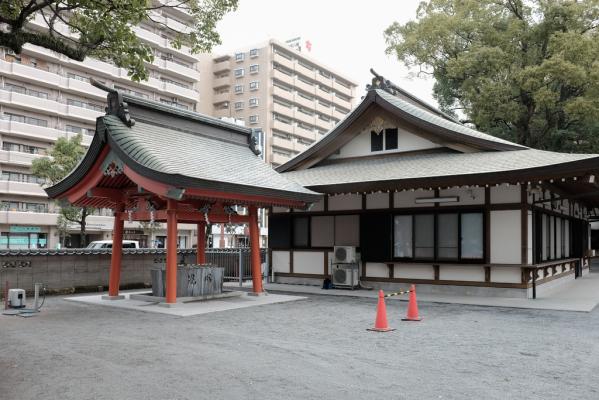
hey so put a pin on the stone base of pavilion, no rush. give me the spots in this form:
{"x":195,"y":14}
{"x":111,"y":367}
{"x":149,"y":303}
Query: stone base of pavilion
{"x":147,"y":296}
{"x":185,"y":306}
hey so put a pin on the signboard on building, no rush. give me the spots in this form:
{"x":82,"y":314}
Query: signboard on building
{"x":24,"y":229}
{"x":298,"y":44}
{"x":92,"y":227}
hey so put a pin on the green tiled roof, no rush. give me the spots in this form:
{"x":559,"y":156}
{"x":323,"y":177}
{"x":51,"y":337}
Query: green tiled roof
{"x":427,"y":116}
{"x":399,"y":167}
{"x":183,"y":149}
{"x":192,"y":159}
{"x":446,"y":129}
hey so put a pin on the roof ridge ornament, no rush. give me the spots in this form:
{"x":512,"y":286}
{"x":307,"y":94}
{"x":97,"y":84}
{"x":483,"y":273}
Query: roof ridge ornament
{"x":379,"y":82}
{"x":253,"y":142}
{"x":116,"y":105}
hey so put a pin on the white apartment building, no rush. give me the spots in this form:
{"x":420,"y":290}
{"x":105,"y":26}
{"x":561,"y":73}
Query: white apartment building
{"x":44,"y":96}
{"x":290,"y":96}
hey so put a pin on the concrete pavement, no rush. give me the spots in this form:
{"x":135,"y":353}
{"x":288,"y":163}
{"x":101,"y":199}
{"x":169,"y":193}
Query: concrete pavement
{"x":581,"y":295}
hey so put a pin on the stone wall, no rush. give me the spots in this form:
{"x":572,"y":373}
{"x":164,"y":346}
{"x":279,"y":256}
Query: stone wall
{"x":83,"y":270}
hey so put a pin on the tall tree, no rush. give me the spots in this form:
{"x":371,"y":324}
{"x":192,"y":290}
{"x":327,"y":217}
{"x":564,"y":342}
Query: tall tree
{"x":105,"y":29}
{"x":64,"y":157}
{"x":527,"y":71}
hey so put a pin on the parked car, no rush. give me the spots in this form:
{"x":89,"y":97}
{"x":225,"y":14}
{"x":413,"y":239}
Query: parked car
{"x":107,"y":244}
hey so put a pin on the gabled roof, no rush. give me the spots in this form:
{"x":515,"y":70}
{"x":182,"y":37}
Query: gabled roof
{"x":182,"y":149}
{"x":441,"y":169}
{"x":481,"y":160}
{"x":421,"y":116}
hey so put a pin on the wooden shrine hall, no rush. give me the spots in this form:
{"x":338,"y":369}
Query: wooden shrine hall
{"x":153,"y":162}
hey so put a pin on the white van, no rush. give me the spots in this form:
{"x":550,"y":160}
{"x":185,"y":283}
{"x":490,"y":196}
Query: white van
{"x":107,"y":244}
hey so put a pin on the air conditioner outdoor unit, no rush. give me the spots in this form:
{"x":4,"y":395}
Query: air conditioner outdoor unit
{"x":16,"y":298}
{"x":344,"y":254}
{"x":345,"y":275}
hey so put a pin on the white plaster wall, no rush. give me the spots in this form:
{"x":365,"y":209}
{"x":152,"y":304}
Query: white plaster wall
{"x":278,"y":210}
{"x":330,"y":257}
{"x":505,"y":237}
{"x":347,"y":230}
{"x":377,"y":200}
{"x":360,"y":145}
{"x":319,"y":206}
{"x":377,"y":270}
{"x":461,"y":273}
{"x":408,"y":198}
{"x":529,"y":196}
{"x":544,"y":238}
{"x":558,"y":232}
{"x":280,"y":261}
{"x":505,"y":274}
{"x":470,"y":196}
{"x":505,"y":194}
{"x":529,"y":249}
{"x":342,"y":202}
{"x":413,"y":271}
{"x":552,"y":236}
{"x":308,"y":262}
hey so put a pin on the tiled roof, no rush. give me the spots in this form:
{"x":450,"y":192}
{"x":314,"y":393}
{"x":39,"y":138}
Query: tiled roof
{"x":192,"y":159}
{"x":428,"y":116}
{"x":434,"y":123}
{"x":430,"y":165}
{"x":183,"y":149}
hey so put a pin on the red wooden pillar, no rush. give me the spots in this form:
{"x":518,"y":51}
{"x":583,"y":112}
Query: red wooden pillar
{"x":171,"y":252}
{"x":201,"y":248}
{"x":255,"y":250}
{"x":117,"y":254}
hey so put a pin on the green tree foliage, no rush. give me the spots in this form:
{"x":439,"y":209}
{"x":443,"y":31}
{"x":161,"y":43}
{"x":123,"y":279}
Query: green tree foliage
{"x":64,"y":157}
{"x":104,"y":29}
{"x":527,"y":71}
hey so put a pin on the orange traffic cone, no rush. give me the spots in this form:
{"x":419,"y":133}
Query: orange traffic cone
{"x":412,"y":306}
{"x":381,"y":324}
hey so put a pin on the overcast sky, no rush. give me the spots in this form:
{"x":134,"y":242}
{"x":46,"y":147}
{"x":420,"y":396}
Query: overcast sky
{"x":345,"y":35}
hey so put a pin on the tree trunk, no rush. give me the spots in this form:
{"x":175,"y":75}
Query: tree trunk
{"x":82,"y":241}
{"x":208,"y":235}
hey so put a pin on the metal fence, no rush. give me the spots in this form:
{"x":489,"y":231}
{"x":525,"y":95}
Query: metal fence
{"x":237,"y":262}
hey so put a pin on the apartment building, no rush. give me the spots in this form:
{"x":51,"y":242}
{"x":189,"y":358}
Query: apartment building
{"x":287,"y":94}
{"x":44,"y":96}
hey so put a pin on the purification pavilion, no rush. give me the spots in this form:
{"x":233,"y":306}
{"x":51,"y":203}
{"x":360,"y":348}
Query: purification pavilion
{"x":153,"y":162}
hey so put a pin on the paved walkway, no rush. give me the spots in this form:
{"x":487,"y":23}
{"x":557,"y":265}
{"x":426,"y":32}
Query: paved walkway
{"x":186,"y":309}
{"x":579,"y":295}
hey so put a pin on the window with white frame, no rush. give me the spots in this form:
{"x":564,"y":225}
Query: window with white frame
{"x":253,"y":119}
{"x":239,"y":105}
{"x":254,"y":68}
{"x":239,"y":57}
{"x":254,"y":85}
{"x":239,"y":72}
{"x":254,"y":53}
{"x":254,"y":102}
{"x":238,"y":89}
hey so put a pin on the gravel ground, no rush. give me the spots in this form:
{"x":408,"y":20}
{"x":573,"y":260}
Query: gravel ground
{"x":311,"y":349}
